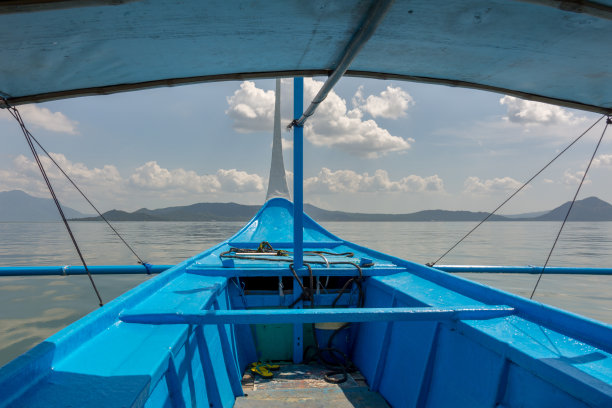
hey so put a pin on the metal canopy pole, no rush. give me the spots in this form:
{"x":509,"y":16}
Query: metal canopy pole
{"x":375,"y":16}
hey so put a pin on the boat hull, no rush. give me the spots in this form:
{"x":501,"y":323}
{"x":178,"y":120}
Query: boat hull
{"x":421,"y":338}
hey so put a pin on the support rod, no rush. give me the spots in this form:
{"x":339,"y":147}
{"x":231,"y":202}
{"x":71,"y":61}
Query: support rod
{"x":80,"y":270}
{"x":154,"y":269}
{"x":251,"y":272}
{"x":552,"y":270}
{"x":375,"y":16}
{"x":266,"y":316}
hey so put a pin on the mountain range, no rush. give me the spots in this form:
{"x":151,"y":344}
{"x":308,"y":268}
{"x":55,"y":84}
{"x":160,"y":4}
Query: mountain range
{"x":18,"y":206}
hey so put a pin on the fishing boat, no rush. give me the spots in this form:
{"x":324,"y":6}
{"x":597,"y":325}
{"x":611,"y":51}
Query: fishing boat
{"x":284,"y":312}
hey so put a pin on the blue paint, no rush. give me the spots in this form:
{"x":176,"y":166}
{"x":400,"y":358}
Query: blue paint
{"x":537,"y":356}
{"x":298,"y":210}
{"x":174,"y":386}
{"x":514,"y":354}
{"x":262,"y":316}
{"x":80,"y":270}
{"x":298,"y":173}
{"x":229,"y":263}
{"x":282,"y":269}
{"x":229,"y":354}
{"x":552,"y":270}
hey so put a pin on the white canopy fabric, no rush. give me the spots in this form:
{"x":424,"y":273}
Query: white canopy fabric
{"x":532,"y":49}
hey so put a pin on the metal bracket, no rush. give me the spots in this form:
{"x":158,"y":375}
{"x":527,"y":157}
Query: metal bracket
{"x":4,"y":103}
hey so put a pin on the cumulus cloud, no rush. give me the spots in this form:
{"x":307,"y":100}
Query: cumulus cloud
{"x":40,"y":117}
{"x":236,"y":181}
{"x":77,"y":171}
{"x":25,"y":175}
{"x":251,"y":108}
{"x":348,"y":181}
{"x":333,"y":125}
{"x":287,"y":144}
{"x":106,"y":184}
{"x":529,"y":112}
{"x":475,"y":185}
{"x":603,"y":160}
{"x":573,"y":178}
{"x":392,"y":103}
{"x":152,"y":176}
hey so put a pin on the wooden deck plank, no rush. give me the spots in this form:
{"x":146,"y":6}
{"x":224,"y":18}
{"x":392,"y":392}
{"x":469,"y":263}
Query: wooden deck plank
{"x":300,"y":385}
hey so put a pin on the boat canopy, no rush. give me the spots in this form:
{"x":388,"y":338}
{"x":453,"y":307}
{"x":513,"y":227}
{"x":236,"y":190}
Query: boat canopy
{"x":546,"y":50}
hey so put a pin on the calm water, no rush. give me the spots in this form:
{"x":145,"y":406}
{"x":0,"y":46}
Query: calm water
{"x":32,"y":309}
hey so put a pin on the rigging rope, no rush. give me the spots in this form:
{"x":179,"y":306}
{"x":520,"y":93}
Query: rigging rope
{"x":140,"y":261}
{"x":516,"y":192}
{"x":28,"y":136}
{"x":608,"y":122}
{"x":90,"y":203}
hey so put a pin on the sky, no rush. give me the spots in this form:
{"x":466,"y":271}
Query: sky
{"x":372,"y":146}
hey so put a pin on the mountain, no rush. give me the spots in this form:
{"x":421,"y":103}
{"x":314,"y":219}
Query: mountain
{"x":589,"y":209}
{"x":17,"y":206}
{"x":427,"y":215}
{"x":239,"y":212}
{"x":194,"y":212}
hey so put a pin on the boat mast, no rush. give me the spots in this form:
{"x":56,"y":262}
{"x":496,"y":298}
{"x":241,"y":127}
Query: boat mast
{"x":277,"y":183}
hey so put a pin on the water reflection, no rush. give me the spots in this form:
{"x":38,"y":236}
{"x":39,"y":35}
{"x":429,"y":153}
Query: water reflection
{"x":34,"y":308}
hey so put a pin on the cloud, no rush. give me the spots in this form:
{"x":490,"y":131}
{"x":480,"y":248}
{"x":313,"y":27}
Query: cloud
{"x":529,"y":112}
{"x":475,"y":185}
{"x":603,"y":160}
{"x":392,"y":103}
{"x":77,"y":171}
{"x":40,"y":117}
{"x":573,"y":178}
{"x":251,"y":108}
{"x":287,"y":144}
{"x":26,"y":176}
{"x":333,"y":125}
{"x":236,"y":181}
{"x":348,"y":181}
{"x":106,"y":185}
{"x":152,"y":176}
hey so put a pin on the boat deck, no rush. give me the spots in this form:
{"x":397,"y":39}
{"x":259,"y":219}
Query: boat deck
{"x":300,"y":385}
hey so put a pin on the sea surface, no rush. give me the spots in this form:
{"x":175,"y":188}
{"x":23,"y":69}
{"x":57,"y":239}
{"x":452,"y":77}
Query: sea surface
{"x":33,"y":308}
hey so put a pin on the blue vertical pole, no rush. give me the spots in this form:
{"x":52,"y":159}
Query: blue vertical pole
{"x":298,"y":209}
{"x":298,"y":174}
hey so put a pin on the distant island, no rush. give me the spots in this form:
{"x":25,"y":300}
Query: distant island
{"x":18,"y":206}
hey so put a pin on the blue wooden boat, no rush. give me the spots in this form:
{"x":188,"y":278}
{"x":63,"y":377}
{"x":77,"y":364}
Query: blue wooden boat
{"x":283,"y":288}
{"x":422,"y":337}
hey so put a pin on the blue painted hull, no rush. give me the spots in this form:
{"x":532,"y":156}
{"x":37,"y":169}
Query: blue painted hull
{"x":422,"y":338}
